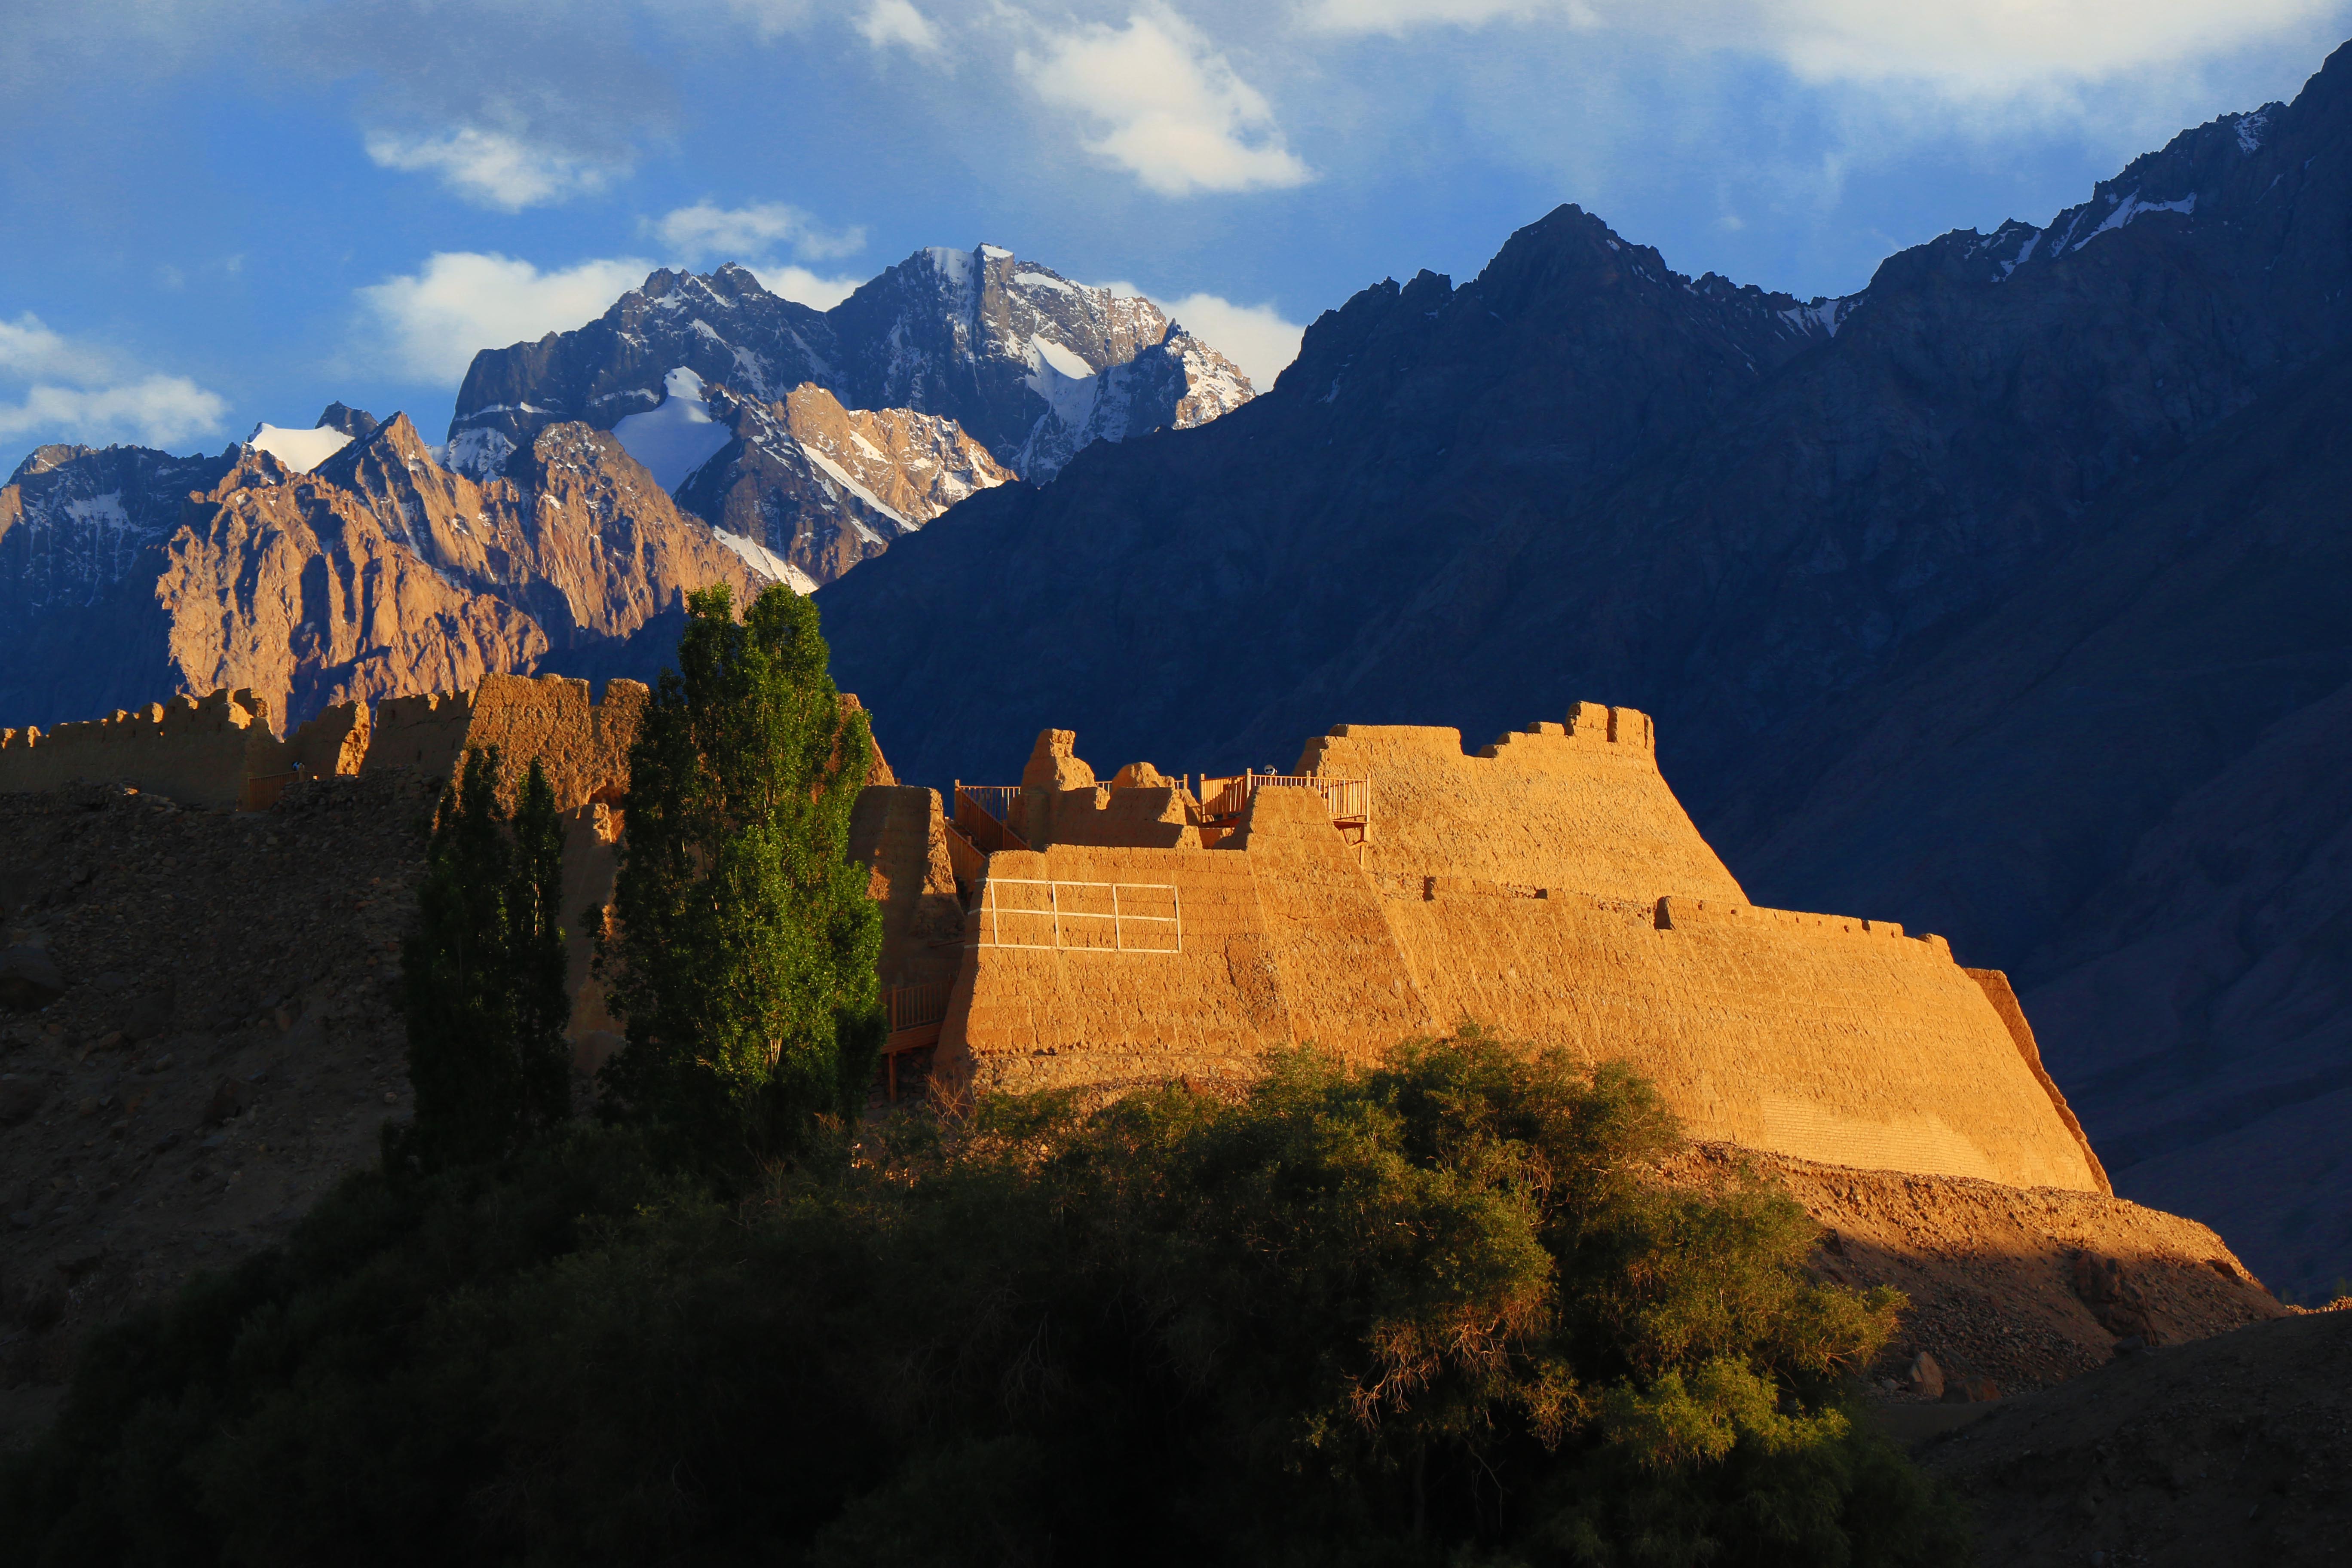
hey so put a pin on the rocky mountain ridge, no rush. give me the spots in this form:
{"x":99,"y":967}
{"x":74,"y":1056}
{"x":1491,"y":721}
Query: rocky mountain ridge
{"x":826,"y":487}
{"x":377,"y":572}
{"x":1019,"y":356}
{"x":1760,"y":519}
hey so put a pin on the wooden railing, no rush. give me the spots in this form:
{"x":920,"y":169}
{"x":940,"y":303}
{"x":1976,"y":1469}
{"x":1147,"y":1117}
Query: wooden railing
{"x":916,"y":1014}
{"x":997,"y":800}
{"x":979,"y":815}
{"x":914,"y":1007}
{"x":1349,"y":801}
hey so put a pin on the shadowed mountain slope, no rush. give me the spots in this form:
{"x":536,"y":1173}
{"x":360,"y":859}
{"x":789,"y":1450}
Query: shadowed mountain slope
{"x":1844,"y":551}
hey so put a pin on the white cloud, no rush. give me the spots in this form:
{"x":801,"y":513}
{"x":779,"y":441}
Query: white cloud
{"x":29,"y":349}
{"x":1170,"y":109}
{"x":888,"y":22}
{"x":493,"y":168}
{"x":1253,"y":337}
{"x":81,"y":392}
{"x":772,"y":18}
{"x":461,"y":301}
{"x":154,"y":411}
{"x":731,"y":234}
{"x":799,"y":283}
{"x":1970,"y":47}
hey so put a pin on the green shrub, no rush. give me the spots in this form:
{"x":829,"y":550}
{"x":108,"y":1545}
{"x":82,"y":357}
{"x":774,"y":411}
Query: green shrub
{"x":1444,"y":1311}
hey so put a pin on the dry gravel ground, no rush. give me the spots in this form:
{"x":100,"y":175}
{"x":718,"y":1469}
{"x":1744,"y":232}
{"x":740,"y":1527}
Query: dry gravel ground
{"x":2233,"y":1450}
{"x":2023,"y":1288}
{"x":227,"y":1043}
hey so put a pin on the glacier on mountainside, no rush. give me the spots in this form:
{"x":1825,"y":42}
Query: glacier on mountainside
{"x":678,"y":438}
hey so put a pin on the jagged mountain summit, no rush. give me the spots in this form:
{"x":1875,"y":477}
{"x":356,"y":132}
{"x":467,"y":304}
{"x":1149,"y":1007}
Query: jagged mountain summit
{"x":1761,"y":519}
{"x":983,"y":367}
{"x":1030,"y":365}
{"x":127,"y":575}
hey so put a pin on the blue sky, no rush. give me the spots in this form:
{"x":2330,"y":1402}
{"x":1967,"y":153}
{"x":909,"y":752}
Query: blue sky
{"x":219,"y":213}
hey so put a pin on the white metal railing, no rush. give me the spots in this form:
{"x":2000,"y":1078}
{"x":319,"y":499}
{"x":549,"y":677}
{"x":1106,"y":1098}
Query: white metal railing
{"x":997,"y":800}
{"x":1059,"y":914}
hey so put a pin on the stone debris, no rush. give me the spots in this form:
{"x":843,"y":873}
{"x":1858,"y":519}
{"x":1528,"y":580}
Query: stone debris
{"x":224,"y":1047}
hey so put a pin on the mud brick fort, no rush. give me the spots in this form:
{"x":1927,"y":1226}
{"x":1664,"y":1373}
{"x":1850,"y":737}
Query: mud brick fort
{"x":1067,"y":932}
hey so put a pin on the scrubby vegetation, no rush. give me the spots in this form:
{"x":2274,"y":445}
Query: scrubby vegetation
{"x":1443,"y":1310}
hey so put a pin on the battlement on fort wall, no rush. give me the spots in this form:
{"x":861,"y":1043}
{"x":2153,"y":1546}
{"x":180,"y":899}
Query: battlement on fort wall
{"x":220,"y":752}
{"x":1549,"y":886}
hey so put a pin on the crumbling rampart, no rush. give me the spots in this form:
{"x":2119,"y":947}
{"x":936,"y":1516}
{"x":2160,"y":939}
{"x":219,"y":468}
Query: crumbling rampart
{"x":219,"y":750}
{"x":212,"y":750}
{"x":1551,"y":888}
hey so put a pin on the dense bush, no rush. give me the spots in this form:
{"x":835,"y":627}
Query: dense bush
{"x":1444,"y":1311}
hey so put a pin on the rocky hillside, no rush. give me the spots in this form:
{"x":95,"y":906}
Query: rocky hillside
{"x":2231,"y":1451}
{"x":1767,"y":522}
{"x":378,"y":572}
{"x":1030,"y":365}
{"x":821,"y":486}
{"x":214,"y":1039}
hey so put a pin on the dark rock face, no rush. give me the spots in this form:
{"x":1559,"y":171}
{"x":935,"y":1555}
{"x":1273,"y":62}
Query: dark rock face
{"x":612,"y":367}
{"x":1928,"y":589}
{"x":1017,"y":354}
{"x":74,"y":520}
{"x":353,"y":422}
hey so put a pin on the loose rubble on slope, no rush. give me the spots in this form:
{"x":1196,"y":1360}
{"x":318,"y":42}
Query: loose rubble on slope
{"x":2010,"y":1288}
{"x":225,"y":1044}
{"x":2235,"y":1450}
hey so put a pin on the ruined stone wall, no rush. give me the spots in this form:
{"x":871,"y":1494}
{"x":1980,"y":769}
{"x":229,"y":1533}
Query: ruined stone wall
{"x":1579,"y":804}
{"x":584,"y":745}
{"x":199,"y":751}
{"x":899,"y":834}
{"x":1553,"y":890}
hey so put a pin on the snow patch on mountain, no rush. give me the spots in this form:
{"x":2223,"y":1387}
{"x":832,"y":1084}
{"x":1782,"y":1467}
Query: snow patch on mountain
{"x":479,"y":455}
{"x":300,"y":450}
{"x":1824,"y":316}
{"x":767,"y":563}
{"x":678,"y":438}
{"x":2130,"y":208}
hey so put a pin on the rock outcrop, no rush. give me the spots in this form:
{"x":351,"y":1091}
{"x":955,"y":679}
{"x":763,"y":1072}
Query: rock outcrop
{"x":823,"y":486}
{"x":377,"y":573}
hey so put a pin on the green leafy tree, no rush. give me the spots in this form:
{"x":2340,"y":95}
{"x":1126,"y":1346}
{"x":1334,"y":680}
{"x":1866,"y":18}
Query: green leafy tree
{"x":484,"y":972}
{"x":741,"y":955}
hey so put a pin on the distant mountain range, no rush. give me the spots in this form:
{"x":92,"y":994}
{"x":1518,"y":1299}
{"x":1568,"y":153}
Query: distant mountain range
{"x":589,"y":481}
{"x":2007,"y":598}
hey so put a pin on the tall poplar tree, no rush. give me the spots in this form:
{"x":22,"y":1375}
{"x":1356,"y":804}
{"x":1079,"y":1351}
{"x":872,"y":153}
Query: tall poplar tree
{"x":741,"y":955}
{"x":483,"y":969}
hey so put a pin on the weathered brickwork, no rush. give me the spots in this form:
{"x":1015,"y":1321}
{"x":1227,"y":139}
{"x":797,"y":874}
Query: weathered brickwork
{"x":1550,"y":887}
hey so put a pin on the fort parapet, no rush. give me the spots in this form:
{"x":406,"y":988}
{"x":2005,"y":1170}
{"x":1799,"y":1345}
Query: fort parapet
{"x":219,"y":750}
{"x":1550,"y":887}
